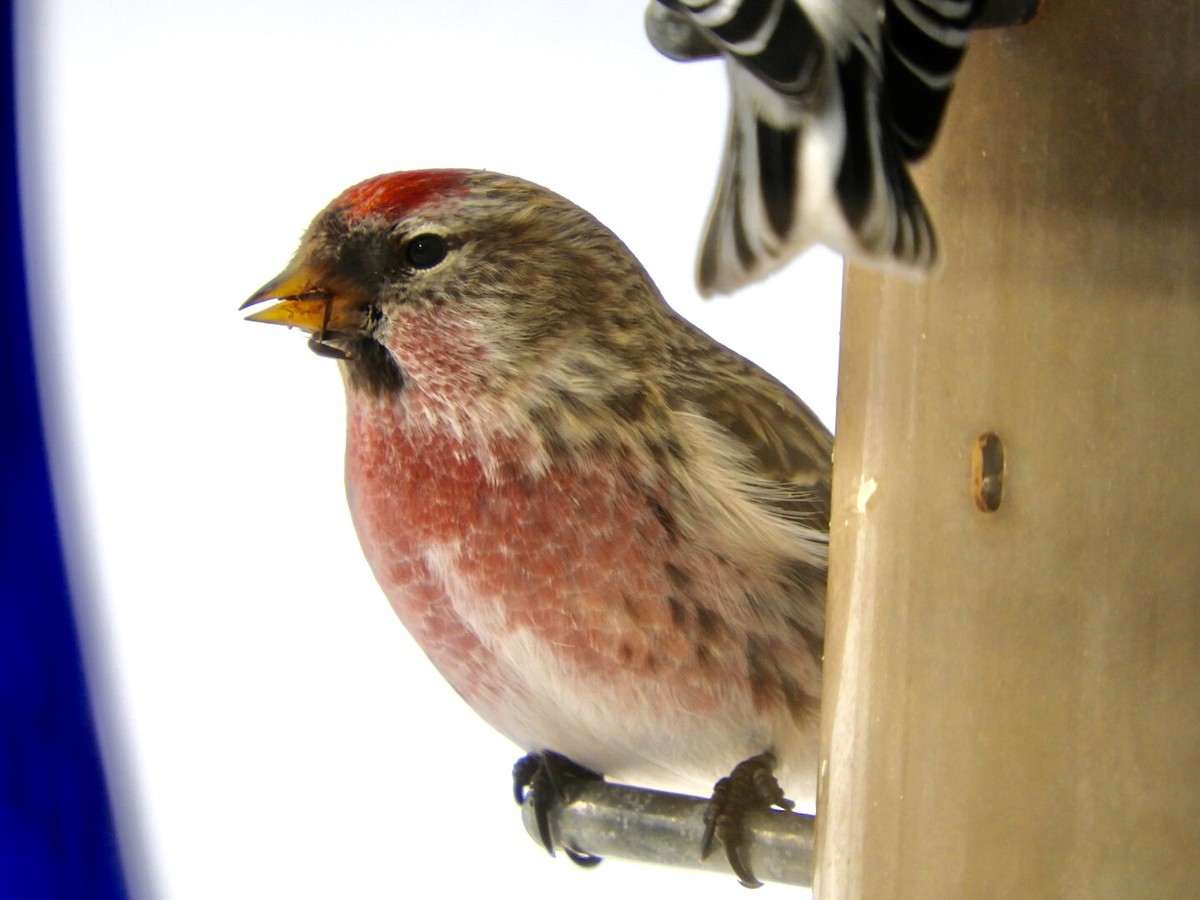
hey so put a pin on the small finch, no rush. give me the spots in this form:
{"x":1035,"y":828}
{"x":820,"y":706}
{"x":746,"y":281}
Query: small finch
{"x":607,"y":531}
{"x":829,"y":102}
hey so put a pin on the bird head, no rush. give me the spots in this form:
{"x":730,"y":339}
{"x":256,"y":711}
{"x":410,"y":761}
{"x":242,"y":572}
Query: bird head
{"x":463,"y":281}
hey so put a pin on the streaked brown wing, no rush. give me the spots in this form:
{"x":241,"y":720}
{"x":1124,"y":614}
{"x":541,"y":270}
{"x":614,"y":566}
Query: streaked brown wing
{"x":786,"y":439}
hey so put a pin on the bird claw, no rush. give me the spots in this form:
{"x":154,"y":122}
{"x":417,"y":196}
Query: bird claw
{"x":546,"y":778}
{"x":751,"y":785}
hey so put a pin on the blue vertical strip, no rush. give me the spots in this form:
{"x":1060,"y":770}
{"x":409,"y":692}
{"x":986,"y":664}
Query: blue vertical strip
{"x":57,"y":838}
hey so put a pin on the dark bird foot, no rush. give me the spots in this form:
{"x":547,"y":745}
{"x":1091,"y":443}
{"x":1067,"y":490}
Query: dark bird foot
{"x":751,"y":785}
{"x":547,"y":777}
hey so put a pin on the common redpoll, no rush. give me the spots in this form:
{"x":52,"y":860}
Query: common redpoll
{"x":606,"y":530}
{"x":830,"y":99}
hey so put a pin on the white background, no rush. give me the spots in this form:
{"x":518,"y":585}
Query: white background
{"x":269,"y":728}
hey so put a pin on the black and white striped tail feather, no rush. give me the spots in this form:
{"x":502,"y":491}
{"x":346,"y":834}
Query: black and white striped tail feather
{"x":765,"y":210}
{"x":738,"y":243}
{"x":762,"y":208}
{"x":881,"y":205}
{"x":923,"y":45}
{"x":780,"y":78}
{"x":674,"y":34}
{"x":833,"y":175}
{"x":773,"y":39}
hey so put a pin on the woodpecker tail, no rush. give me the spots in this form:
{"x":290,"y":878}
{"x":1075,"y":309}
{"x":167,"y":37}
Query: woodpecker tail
{"x":828,"y":104}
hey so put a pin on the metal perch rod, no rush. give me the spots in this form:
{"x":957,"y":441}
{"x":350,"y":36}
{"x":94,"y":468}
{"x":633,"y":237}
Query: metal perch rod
{"x":621,"y":822}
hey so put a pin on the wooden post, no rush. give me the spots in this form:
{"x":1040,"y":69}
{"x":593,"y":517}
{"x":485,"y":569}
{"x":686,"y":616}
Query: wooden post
{"x":1013,"y":697}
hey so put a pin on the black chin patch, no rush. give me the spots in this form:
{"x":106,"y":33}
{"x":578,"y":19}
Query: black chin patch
{"x":372,"y":368}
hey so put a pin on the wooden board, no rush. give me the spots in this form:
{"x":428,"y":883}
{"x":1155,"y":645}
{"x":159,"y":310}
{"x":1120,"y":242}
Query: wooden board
{"x":1013,"y":697}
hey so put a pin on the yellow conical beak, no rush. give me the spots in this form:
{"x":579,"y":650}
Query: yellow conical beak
{"x":299,"y":312}
{"x":303,"y":302}
{"x":306,"y":302}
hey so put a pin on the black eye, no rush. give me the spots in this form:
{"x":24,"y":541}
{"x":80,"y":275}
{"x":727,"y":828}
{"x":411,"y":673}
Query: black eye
{"x":426,"y":250}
